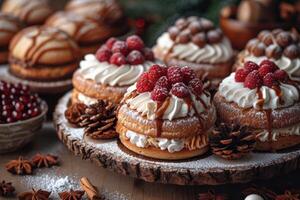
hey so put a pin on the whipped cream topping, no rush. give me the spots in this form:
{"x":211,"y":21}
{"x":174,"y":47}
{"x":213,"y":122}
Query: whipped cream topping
{"x":291,"y":66}
{"x":244,"y":97}
{"x":177,"y":107}
{"x":142,"y":141}
{"x":286,"y":131}
{"x":210,"y":53}
{"x":110,"y":74}
{"x":85,"y":99}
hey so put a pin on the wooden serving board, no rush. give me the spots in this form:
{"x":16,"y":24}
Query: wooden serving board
{"x":205,"y":170}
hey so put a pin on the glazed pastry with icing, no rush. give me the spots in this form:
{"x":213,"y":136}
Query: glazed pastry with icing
{"x":31,"y":12}
{"x":264,"y":98}
{"x":108,"y":13}
{"x":87,"y":33}
{"x":167,"y":114}
{"x":43,"y":54}
{"x":111,"y":70}
{"x":9,"y":26}
{"x":282,"y":47}
{"x":195,"y":42}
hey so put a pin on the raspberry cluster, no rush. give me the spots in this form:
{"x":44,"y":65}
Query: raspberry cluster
{"x":17,"y":103}
{"x":117,"y":52}
{"x":162,"y":81}
{"x":266,"y":73}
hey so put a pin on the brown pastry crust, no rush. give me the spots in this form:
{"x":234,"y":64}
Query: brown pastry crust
{"x":32,"y":12}
{"x":9,"y":26}
{"x":153,"y":152}
{"x":230,"y":112}
{"x":44,"y":73}
{"x":98,"y":91}
{"x":212,"y":71}
{"x":282,"y":142}
{"x":177,"y":128}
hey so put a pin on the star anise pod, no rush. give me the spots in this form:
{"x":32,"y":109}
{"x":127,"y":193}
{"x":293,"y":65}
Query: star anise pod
{"x":19,"y":167}
{"x":71,"y":195}
{"x":288,"y":195}
{"x":34,"y":195}
{"x":40,"y":160}
{"x":211,"y":195}
{"x":74,"y":112}
{"x":6,"y":189}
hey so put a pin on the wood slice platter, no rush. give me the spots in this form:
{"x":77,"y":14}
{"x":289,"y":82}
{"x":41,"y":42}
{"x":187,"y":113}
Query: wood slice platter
{"x":204,"y":170}
{"x":37,"y":86}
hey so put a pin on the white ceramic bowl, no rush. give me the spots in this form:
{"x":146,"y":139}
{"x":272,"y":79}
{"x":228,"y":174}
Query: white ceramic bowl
{"x":15,"y":135}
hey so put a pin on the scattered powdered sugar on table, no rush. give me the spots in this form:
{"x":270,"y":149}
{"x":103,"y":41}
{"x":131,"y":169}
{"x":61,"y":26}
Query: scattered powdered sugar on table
{"x":52,"y":183}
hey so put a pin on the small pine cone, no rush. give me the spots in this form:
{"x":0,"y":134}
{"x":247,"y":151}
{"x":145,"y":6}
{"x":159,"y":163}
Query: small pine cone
{"x":74,"y":112}
{"x":99,"y":120}
{"x":231,"y":141}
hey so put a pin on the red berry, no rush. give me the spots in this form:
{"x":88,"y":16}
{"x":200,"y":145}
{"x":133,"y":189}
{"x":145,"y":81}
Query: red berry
{"x":159,"y":94}
{"x":148,"y":53}
{"x":117,"y":59}
{"x":156,"y":71}
{"x":269,"y":80}
{"x":174,"y":75}
{"x":120,"y":46}
{"x":134,"y":42}
{"x":240,"y":75}
{"x":110,"y":42}
{"x":144,"y":84}
{"x":135,"y":57}
{"x":163,"y":82}
{"x":180,"y":90}
{"x":250,"y":66}
{"x":103,"y":55}
{"x":280,"y":75}
{"x":265,"y":69}
{"x":253,"y":80}
{"x":188,"y":74}
{"x":269,"y":62}
{"x":196,"y":86}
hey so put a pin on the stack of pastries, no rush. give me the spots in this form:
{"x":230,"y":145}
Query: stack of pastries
{"x":111,"y":70}
{"x":262,"y":97}
{"x":195,"y":42}
{"x":167,"y":114}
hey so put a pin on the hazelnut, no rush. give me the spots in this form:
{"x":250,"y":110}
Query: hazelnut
{"x":199,"y":39}
{"x":259,"y":50}
{"x":195,"y":27}
{"x":292,"y":51}
{"x":173,"y":32}
{"x":181,"y":23}
{"x":273,"y":51}
{"x":284,"y":39}
{"x":184,"y":37}
{"x":251,"y":44}
{"x":192,"y":19}
{"x":214,"y":36}
{"x":206,"y":24}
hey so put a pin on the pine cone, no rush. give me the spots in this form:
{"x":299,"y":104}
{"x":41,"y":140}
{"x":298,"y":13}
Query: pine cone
{"x":231,"y":141}
{"x":74,"y":112}
{"x":99,"y":120}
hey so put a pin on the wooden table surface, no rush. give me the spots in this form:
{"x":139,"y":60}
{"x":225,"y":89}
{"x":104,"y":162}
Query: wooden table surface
{"x":112,"y":185}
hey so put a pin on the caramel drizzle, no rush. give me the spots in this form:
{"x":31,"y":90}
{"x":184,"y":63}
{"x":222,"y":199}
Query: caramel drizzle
{"x":34,"y":53}
{"x":161,"y":108}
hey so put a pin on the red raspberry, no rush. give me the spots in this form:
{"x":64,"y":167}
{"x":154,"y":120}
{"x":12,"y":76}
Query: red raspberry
{"x":110,"y":42}
{"x":269,"y":80}
{"x":156,"y":71}
{"x":148,"y":53}
{"x":135,"y":57}
{"x":196,"y":86}
{"x":134,"y":42}
{"x":250,"y":66}
{"x":188,"y":74}
{"x":159,"y":94}
{"x":117,"y":59}
{"x":253,"y":80}
{"x":180,"y":90}
{"x":163,"y":82}
{"x":174,"y":75}
{"x":120,"y":46}
{"x":103,"y":54}
{"x":265,"y":69}
{"x":280,"y":75}
{"x":240,"y":75}
{"x":270,"y":63}
{"x":144,"y":84}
